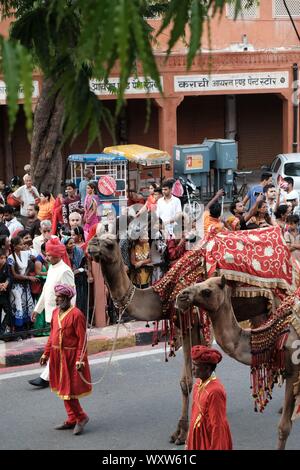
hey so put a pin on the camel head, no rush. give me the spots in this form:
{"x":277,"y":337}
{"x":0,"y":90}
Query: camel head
{"x":209,"y":294}
{"x":104,"y":248}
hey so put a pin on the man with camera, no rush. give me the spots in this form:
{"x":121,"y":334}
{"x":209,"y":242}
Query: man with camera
{"x":255,"y":191}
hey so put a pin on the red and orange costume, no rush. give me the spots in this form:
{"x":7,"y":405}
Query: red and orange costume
{"x":64,"y":347}
{"x":209,"y":428}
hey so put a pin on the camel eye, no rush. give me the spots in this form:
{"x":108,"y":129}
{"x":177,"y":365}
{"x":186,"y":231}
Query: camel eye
{"x":206,"y":293}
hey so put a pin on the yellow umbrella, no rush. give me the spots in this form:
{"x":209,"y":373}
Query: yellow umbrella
{"x":140,"y":154}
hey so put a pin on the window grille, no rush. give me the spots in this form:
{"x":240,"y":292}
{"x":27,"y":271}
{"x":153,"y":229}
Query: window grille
{"x":249,"y":13}
{"x":280,"y":10}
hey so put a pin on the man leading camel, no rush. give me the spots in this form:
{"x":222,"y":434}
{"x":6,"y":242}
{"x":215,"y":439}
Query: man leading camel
{"x":70,"y":374}
{"x":59,"y":273}
{"x":209,"y":428}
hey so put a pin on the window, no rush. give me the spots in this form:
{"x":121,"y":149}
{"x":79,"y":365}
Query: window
{"x":279,"y":10}
{"x":246,"y":13}
{"x":276,"y":165}
{"x":292,"y":169}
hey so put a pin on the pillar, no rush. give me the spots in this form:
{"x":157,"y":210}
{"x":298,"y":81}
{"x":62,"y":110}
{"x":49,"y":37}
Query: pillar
{"x":7,"y":146}
{"x":168,"y":124}
{"x":287,"y":122}
{"x":230,"y":117}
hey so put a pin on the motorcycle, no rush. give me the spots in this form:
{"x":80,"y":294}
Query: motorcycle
{"x":190,"y":198}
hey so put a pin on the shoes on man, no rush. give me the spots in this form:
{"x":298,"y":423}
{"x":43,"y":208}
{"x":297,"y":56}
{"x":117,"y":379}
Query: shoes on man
{"x":79,"y":426}
{"x":39,"y":382}
{"x":65,"y":425}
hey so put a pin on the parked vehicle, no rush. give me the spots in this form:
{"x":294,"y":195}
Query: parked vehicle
{"x":286,"y":164}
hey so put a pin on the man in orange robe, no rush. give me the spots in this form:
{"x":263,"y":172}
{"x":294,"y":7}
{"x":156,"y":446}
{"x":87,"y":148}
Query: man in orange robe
{"x":69,"y":369}
{"x":209,"y":428}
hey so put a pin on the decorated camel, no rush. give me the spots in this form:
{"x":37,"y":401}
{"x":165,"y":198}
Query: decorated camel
{"x":271,"y":350}
{"x":157,"y":302}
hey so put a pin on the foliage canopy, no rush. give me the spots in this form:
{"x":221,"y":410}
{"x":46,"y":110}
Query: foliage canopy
{"x":72,"y":41}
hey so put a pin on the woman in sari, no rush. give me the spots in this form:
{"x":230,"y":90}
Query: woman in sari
{"x":20,"y":295}
{"x":46,"y":206}
{"x":77,"y":233}
{"x":91,"y":203}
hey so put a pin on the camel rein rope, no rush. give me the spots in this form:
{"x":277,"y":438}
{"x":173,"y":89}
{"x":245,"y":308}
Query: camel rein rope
{"x":183,"y":348}
{"x":121,"y":307}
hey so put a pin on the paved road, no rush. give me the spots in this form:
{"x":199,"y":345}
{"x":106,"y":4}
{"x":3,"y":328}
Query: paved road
{"x":135,"y":407}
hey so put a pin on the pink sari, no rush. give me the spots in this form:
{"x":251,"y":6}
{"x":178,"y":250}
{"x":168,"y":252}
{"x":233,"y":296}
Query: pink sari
{"x":90,"y":216}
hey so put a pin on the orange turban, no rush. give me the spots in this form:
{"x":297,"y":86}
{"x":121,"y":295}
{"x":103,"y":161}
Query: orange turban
{"x":55,"y":248}
{"x":205,"y":354}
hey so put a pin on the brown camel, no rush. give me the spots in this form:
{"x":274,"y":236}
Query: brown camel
{"x":146,"y":305}
{"x":214,"y":295}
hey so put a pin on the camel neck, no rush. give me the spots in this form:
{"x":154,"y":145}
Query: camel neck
{"x":229,"y":335}
{"x":117,"y":279}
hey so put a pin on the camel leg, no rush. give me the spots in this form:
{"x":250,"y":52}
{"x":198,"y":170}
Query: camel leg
{"x":179,"y":436}
{"x":186,"y":384}
{"x":285,"y":423}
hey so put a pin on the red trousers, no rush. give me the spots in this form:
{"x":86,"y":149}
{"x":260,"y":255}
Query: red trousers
{"x":74,"y":411}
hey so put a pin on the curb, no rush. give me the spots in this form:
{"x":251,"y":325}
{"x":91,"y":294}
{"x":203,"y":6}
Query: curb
{"x":29,"y":351}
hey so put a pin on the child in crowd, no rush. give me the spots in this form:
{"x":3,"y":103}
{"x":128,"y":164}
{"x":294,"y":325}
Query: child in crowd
{"x":292,"y":236}
{"x":158,"y":253}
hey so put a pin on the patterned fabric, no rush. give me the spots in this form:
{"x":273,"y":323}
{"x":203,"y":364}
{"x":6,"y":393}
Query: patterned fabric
{"x":259,"y":258}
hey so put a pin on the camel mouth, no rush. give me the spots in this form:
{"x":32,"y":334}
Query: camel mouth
{"x":183,"y":301}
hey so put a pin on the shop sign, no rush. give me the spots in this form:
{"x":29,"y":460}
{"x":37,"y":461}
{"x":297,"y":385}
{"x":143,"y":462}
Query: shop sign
{"x":231,"y":82}
{"x":3,"y":91}
{"x":136,"y":86}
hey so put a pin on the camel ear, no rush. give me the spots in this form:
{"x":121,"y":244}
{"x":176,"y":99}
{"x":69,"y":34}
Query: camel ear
{"x":223,"y":282}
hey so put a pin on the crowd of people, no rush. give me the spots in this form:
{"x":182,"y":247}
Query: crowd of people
{"x":152,"y":235}
{"x":45,"y":270}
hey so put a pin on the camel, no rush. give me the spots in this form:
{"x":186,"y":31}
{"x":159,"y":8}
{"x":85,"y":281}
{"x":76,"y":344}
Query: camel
{"x":146,"y":305}
{"x":214,"y":295}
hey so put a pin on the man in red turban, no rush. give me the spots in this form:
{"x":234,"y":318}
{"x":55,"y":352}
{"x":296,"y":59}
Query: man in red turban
{"x":209,"y":428}
{"x":69,"y":374}
{"x":57,"y":249}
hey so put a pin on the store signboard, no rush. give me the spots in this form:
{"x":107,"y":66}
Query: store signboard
{"x":3,"y":91}
{"x":231,"y":82}
{"x":136,"y":86}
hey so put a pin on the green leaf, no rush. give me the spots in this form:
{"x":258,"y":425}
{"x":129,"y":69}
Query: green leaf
{"x":10,"y":64}
{"x":197,"y":12}
{"x":26,"y":70}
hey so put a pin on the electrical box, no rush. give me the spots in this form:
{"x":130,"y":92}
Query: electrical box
{"x":209,"y":165}
{"x":191,"y":159}
{"x":226,"y":153}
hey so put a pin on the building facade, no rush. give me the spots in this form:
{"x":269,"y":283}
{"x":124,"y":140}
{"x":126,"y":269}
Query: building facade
{"x":241,"y":86}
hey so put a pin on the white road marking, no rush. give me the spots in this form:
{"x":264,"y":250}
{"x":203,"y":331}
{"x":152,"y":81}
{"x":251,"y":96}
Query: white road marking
{"x":100,"y":360}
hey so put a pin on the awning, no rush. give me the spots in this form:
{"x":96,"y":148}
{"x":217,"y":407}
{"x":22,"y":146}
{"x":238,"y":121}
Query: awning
{"x":95,"y":158}
{"x":139,"y":154}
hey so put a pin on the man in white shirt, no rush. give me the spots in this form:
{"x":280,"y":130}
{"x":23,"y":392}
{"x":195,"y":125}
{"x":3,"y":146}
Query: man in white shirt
{"x":46,"y":228}
{"x":168,"y":208}
{"x":11,"y":222}
{"x":26,"y":194}
{"x":59,"y":273}
{"x":290,"y":193}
